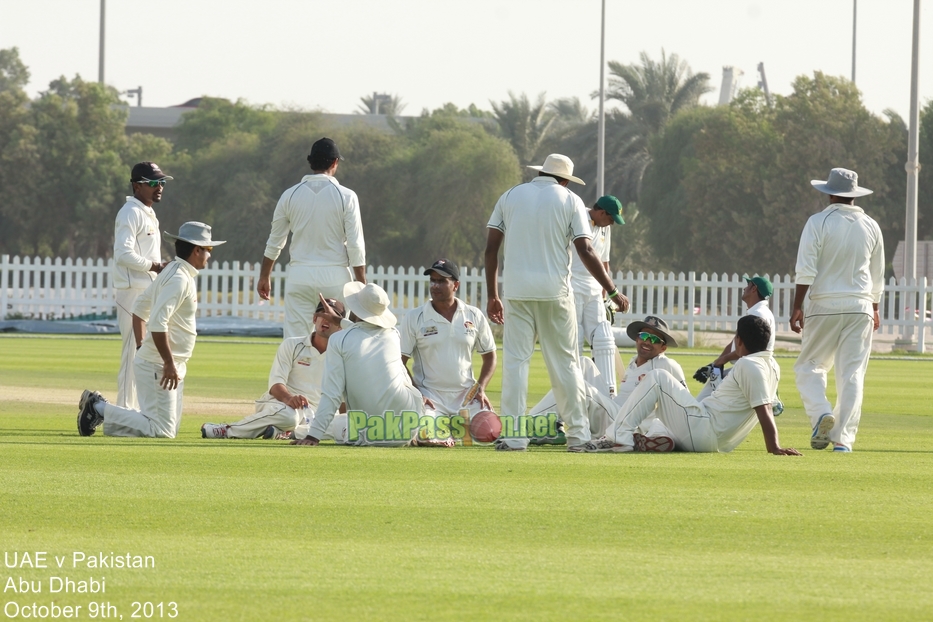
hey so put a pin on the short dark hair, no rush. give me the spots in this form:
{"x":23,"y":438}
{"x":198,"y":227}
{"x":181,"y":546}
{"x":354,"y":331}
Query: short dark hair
{"x":320,"y":163}
{"x":184,"y":249}
{"x":754,"y":332}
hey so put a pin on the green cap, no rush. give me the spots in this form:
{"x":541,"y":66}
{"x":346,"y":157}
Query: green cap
{"x":762,"y":283}
{"x":611,"y":206}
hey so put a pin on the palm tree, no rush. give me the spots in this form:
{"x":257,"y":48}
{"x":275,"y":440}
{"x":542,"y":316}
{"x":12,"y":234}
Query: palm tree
{"x":653,"y":92}
{"x":525,"y":125}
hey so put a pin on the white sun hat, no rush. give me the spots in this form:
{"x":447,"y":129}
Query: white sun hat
{"x":370,"y":303}
{"x":841,"y":183}
{"x":560,"y":166}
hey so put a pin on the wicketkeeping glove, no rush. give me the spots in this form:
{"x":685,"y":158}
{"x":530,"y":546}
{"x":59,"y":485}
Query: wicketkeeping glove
{"x":703,"y":374}
{"x":610,"y":310}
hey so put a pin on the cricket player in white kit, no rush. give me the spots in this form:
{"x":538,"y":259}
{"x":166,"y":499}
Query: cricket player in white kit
{"x":294,"y":389}
{"x":363,"y":367}
{"x":721,"y":421}
{"x":756,"y":293}
{"x":137,"y":259}
{"x":327,"y":240}
{"x":169,"y":306}
{"x":840,"y":280}
{"x":592,"y":323}
{"x":538,"y":222}
{"x":440,"y":338}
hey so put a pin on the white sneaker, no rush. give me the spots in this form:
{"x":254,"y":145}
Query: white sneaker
{"x":214,"y":430}
{"x":820,"y":437}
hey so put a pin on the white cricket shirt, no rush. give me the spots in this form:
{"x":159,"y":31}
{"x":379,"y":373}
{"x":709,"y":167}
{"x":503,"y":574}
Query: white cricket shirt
{"x":363,"y":366}
{"x":635,"y":373}
{"x":442,"y":351}
{"x":169,"y":305}
{"x":540,"y":220}
{"x":324,"y":218}
{"x":752,"y":382}
{"x":762,"y":310}
{"x":137,"y":244}
{"x":300,"y":367}
{"x":841,"y":255}
{"x":580,"y":278}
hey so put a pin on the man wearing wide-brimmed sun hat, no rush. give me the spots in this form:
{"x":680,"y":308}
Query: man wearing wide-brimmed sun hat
{"x":538,"y":222}
{"x":167,"y":308}
{"x":363,"y":366}
{"x":840,"y":280}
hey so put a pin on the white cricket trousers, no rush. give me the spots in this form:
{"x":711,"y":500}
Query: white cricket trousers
{"x":554,"y":323}
{"x":594,"y":327}
{"x":600,"y":408}
{"x":302,"y":286}
{"x":686,"y":419}
{"x":126,"y":377}
{"x":159,"y":414}
{"x":285,"y":418}
{"x":835,"y":335}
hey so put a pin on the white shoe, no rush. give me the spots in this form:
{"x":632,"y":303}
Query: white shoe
{"x":214,"y":430}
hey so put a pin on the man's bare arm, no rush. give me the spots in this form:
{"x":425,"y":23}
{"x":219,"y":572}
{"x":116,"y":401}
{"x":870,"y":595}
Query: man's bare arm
{"x":264,"y":285}
{"x":769,"y":429}
{"x":359,"y":274}
{"x":139,"y":330}
{"x":796,"y":316}
{"x":494,"y":310}
{"x":170,"y":377}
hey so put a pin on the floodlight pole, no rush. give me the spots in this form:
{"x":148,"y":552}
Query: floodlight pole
{"x":854,"y":21}
{"x":100,"y":61}
{"x":913,"y":162}
{"x":601,"y":129}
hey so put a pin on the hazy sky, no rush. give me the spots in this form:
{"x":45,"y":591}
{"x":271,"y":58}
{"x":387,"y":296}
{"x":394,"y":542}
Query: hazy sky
{"x":325,"y":55}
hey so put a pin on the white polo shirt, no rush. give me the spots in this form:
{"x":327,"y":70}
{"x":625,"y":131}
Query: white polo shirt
{"x":441,"y":351}
{"x":324,"y":218}
{"x":363,"y":366}
{"x":635,"y":373}
{"x":169,"y":305}
{"x":841,"y":255}
{"x":581,"y":280}
{"x":540,"y":220}
{"x":300,"y":367}
{"x":752,"y":382}
{"x":137,"y":244}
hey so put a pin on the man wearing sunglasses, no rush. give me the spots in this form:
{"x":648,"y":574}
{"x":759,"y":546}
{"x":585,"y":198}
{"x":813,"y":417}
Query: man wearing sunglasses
{"x":167,"y":308}
{"x":651,"y":337}
{"x":137,"y":259}
{"x":720,"y":422}
{"x":294,"y":388}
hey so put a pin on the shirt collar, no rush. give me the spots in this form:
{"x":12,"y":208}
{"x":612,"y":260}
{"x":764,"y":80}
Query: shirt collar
{"x":434,"y":312}
{"x":187,"y":267}
{"x":329,"y":178}
{"x":148,"y":208}
{"x":758,"y":305}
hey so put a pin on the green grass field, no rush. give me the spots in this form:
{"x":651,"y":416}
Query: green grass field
{"x":260,"y":530}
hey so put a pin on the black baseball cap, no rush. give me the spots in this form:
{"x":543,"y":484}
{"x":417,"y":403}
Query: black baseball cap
{"x":147,"y":170}
{"x":445,"y":267}
{"x":335,"y":304}
{"x":324,"y":149}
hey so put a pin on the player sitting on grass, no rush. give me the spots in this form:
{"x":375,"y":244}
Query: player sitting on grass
{"x":440,"y":338}
{"x":294,"y":389}
{"x":652,"y":337}
{"x":721,"y":421}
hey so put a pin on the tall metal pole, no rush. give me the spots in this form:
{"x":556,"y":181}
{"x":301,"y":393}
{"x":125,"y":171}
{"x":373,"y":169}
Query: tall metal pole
{"x":854,"y":22}
{"x":913,"y":156}
{"x":601,"y":130}
{"x":100,"y":65}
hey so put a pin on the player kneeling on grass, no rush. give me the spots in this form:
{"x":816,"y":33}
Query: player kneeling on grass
{"x":169,"y":305}
{"x":363,"y":364}
{"x":294,"y":389}
{"x":721,"y":421}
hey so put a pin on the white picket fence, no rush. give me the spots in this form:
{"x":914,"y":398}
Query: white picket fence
{"x":61,"y":289}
